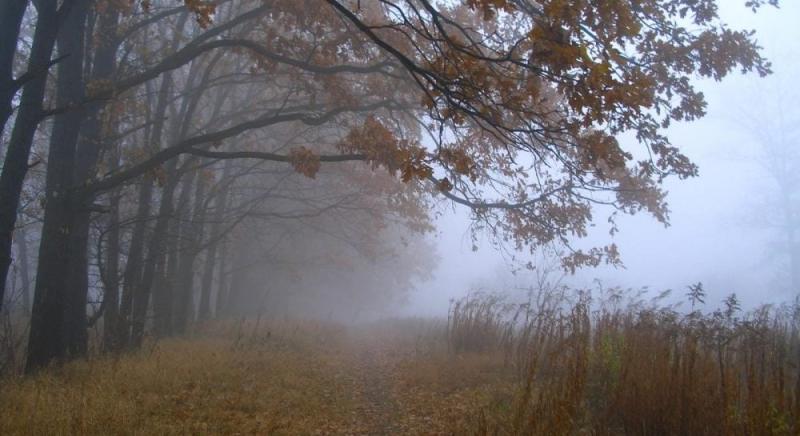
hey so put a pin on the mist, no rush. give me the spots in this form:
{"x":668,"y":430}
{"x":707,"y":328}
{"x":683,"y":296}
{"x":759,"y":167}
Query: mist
{"x":719,"y":231}
{"x":399,"y":217}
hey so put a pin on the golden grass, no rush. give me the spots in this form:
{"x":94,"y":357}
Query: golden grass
{"x":183,"y":387}
{"x":555,"y":367}
{"x":639,"y":368}
{"x":277,"y":378}
{"x":447,"y":394}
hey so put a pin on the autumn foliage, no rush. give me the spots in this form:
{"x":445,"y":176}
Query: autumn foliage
{"x":512,"y":109}
{"x":522,"y":104}
{"x":386,"y":110}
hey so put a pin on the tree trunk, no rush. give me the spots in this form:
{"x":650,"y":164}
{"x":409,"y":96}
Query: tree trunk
{"x":15,"y":166}
{"x":151,"y":282}
{"x":132,"y":276}
{"x":222,"y":280}
{"x":24,"y":266}
{"x":98,"y":125}
{"x":86,"y":154}
{"x":195,"y":243}
{"x":155,"y":251}
{"x":186,"y":250}
{"x":135,"y":268}
{"x":11,"y":13}
{"x":163,"y":284}
{"x":234,"y":303}
{"x":211,"y":255}
{"x":58,"y":320}
{"x":111,"y":294}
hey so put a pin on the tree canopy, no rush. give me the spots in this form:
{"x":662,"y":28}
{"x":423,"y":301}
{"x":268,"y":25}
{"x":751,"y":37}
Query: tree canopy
{"x":513,"y":109}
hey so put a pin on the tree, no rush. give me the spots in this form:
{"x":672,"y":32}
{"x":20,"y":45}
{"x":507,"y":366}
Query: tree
{"x":774,"y":130}
{"x":29,"y":113}
{"x":508,"y":107}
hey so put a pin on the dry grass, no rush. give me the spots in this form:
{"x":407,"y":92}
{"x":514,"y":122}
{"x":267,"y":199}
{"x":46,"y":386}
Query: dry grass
{"x":478,"y":323}
{"x":608,"y":367}
{"x":274,"y":378}
{"x":185,"y":387}
{"x":554,"y":365}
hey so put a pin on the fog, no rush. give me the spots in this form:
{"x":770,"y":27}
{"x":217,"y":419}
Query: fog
{"x":171,"y":165}
{"x":379,"y":217}
{"x":718,"y":231}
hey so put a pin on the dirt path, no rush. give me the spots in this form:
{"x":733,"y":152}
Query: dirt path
{"x":374,"y":375}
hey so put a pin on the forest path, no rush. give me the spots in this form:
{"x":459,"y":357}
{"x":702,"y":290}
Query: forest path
{"x":303,"y":378}
{"x":373,"y":372}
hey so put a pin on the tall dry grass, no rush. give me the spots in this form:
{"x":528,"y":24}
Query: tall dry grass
{"x":619,"y":365}
{"x":601,"y":362}
{"x":477,"y":323}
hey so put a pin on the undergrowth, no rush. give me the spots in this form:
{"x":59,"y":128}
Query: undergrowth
{"x":558,"y":363}
{"x":619,"y":364}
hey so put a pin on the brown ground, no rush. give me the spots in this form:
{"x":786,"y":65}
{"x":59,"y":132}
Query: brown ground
{"x":299,"y":378}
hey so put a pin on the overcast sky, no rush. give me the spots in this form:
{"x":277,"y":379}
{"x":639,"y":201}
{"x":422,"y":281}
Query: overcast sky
{"x":711,"y":237}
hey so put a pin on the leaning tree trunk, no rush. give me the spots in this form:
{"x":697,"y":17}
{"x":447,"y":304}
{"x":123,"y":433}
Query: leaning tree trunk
{"x":11,"y":12}
{"x":15,"y":166}
{"x":58,"y":320}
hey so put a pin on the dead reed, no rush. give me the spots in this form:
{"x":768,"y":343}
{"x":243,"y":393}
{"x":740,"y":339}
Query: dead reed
{"x":606,"y":366}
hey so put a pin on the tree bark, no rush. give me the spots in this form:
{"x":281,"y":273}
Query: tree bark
{"x":15,"y":166}
{"x":24,"y":266}
{"x":11,"y":13}
{"x":58,"y":320}
{"x":111,"y":294}
{"x":132,"y":275}
{"x":92,"y":141}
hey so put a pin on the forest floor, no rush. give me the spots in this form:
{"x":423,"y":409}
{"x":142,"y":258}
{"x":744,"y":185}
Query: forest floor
{"x":273,"y":378}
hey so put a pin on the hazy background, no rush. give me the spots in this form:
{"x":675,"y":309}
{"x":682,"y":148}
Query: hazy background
{"x":716,"y":235}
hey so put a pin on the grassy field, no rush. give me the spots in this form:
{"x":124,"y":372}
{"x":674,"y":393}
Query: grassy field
{"x":292,"y":378}
{"x":548,"y":367}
